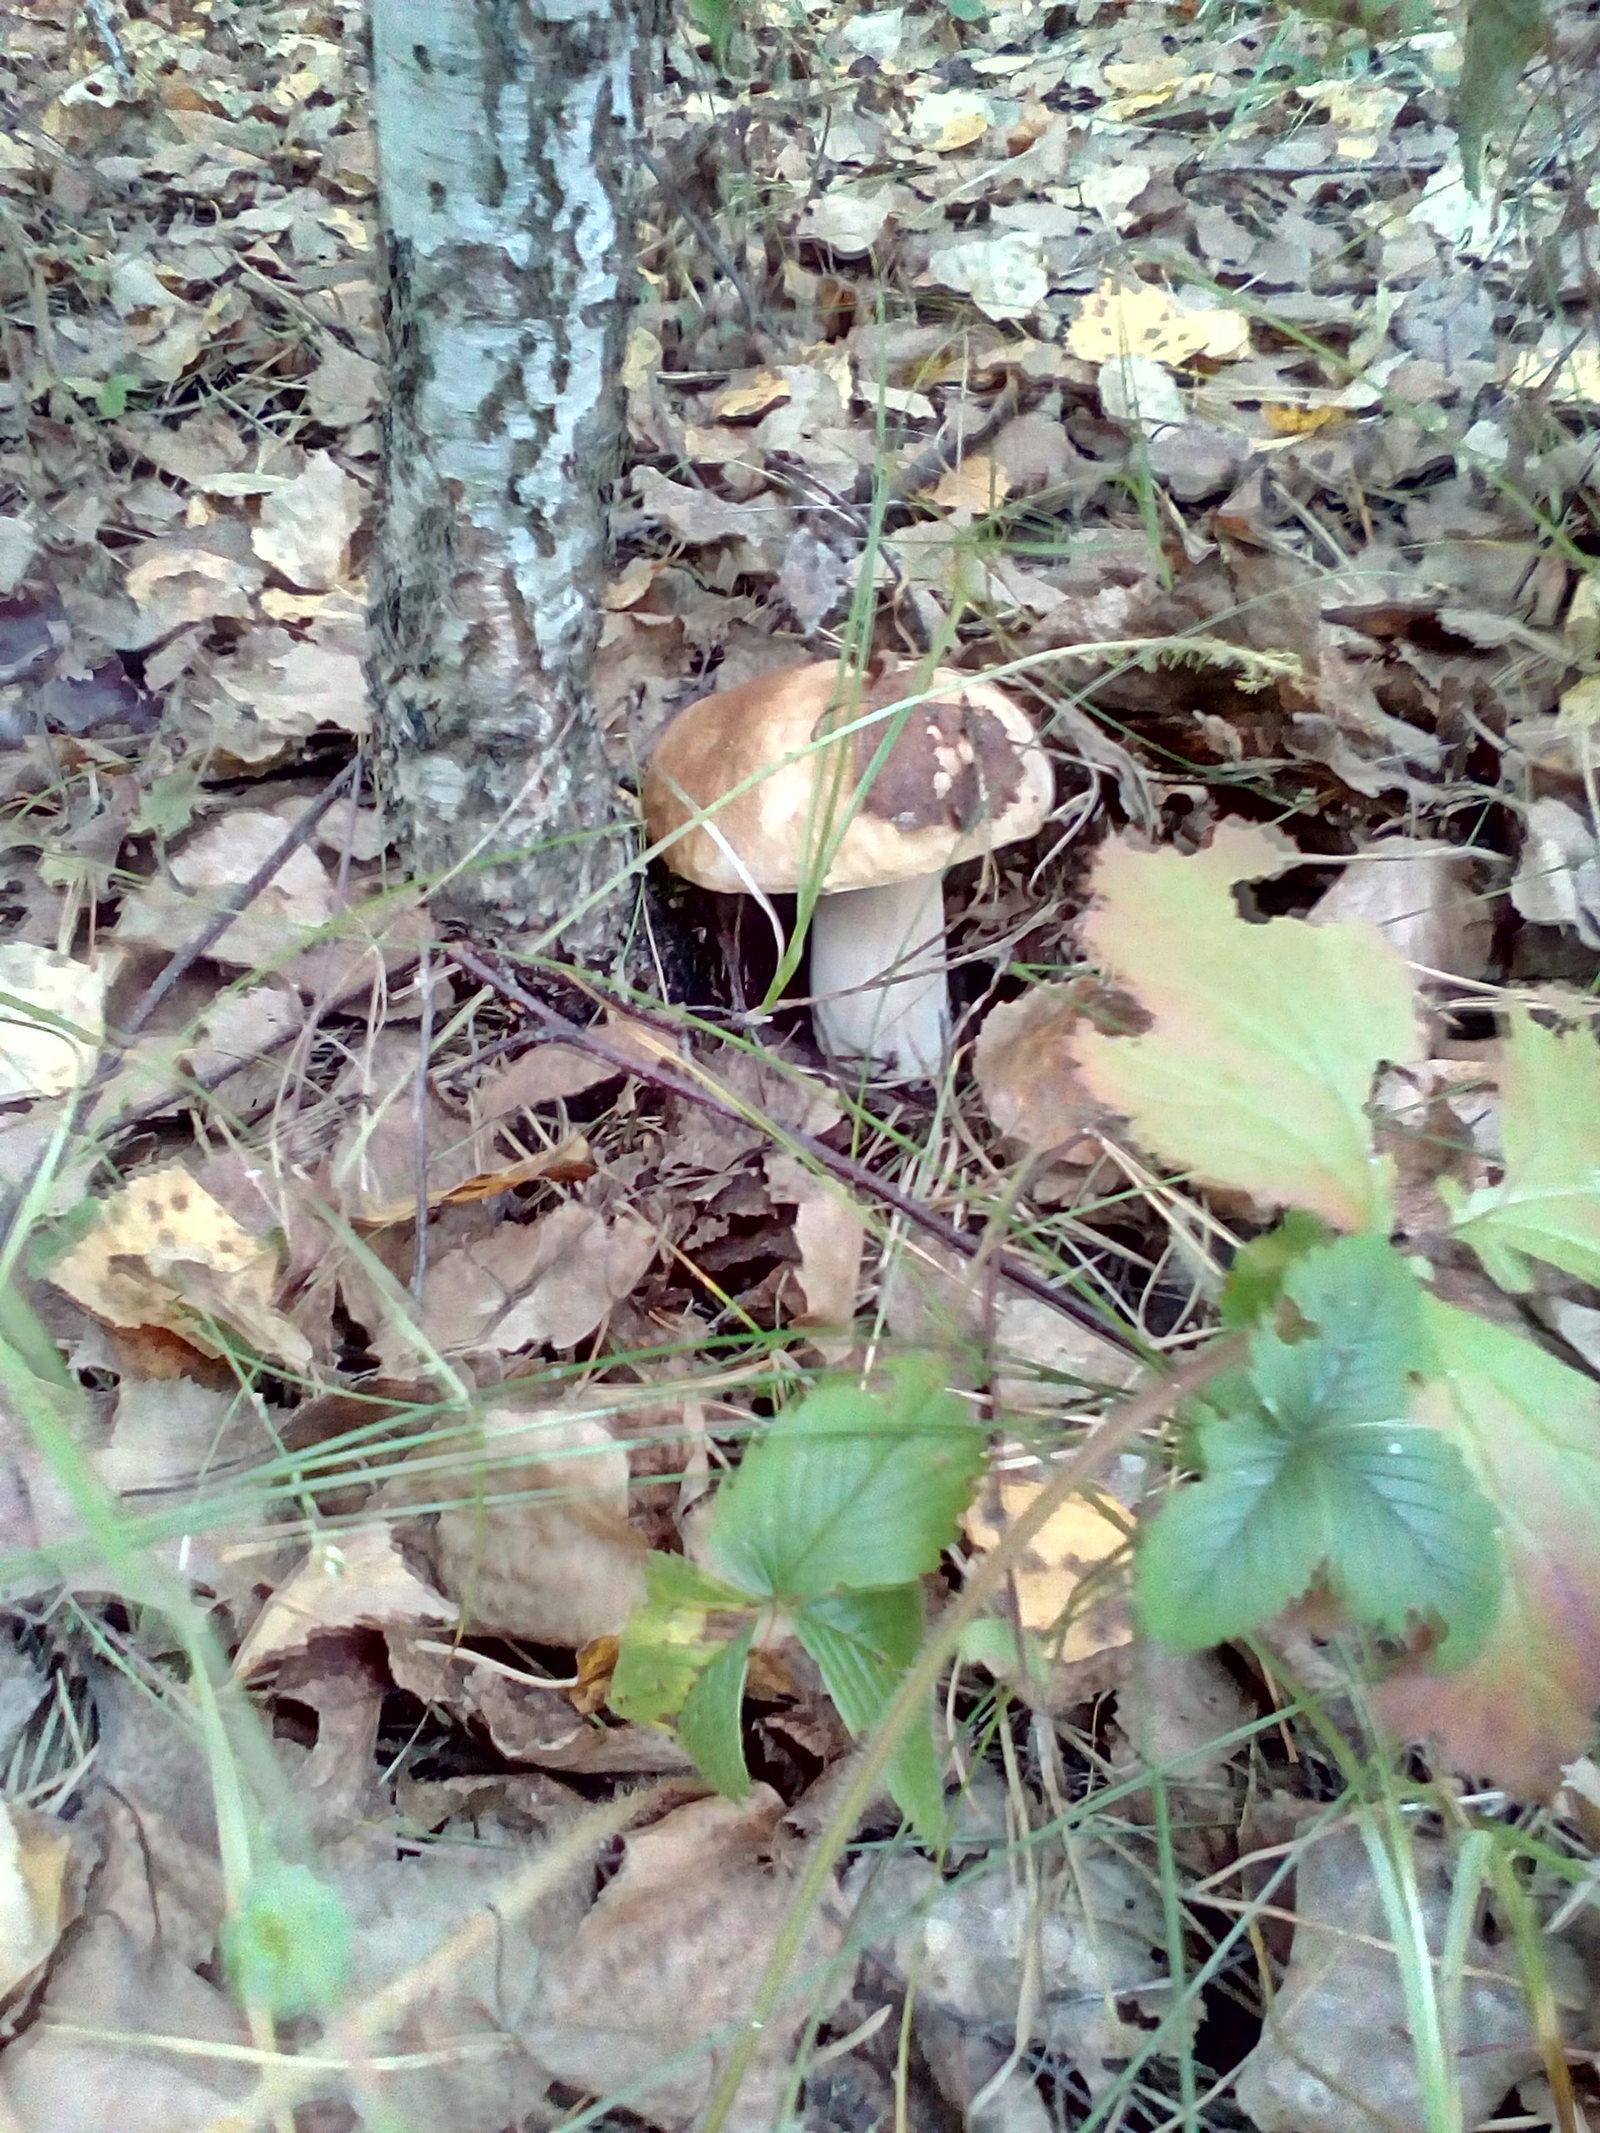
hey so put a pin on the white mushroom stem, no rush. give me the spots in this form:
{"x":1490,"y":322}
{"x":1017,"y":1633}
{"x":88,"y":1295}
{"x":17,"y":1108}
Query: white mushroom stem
{"x":901,"y":1024}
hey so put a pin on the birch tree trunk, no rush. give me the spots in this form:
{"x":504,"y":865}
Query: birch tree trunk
{"x":502,"y":130}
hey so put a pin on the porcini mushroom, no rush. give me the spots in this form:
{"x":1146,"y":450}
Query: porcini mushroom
{"x":757,"y":794}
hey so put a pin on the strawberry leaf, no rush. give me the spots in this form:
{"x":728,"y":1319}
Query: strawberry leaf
{"x":666,"y":1645}
{"x":1320,"y":1472}
{"x":863,"y":1642}
{"x":1530,"y":1429}
{"x":1264,"y":1042}
{"x":1548,"y":1204}
{"x":710,"y":1723}
{"x":847,"y":1489}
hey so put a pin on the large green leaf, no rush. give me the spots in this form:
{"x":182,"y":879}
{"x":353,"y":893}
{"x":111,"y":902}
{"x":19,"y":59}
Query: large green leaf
{"x":863,"y":1642}
{"x":1264,"y":1040}
{"x":1530,"y":1428}
{"x":848,"y":1489}
{"x":1548,"y":1204}
{"x":1322,"y":1471}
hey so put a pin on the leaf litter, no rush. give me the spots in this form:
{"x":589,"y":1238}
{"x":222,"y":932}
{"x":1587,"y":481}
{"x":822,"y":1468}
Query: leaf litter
{"x":1172,"y":357}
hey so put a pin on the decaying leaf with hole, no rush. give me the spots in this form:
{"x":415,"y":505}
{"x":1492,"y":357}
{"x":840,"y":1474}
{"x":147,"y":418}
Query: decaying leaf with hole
{"x":165,"y":1253}
{"x":1225,"y":1083}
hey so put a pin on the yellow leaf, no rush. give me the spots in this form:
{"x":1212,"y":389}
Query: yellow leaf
{"x":976,"y":486}
{"x":164,"y":1253}
{"x":1301,"y":421}
{"x":1061,"y":1578}
{"x":1117,"y":321}
{"x":755,"y":397}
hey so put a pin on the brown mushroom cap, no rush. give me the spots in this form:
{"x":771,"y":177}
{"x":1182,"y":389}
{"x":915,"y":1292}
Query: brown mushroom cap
{"x":964,"y":774}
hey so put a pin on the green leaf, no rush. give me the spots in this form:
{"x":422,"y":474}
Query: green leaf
{"x":1259,"y":1063}
{"x":863,"y":1642}
{"x":1523,"y":1706}
{"x":287,"y":1947}
{"x":1260,"y":1268}
{"x":849,"y":1489}
{"x":710,"y":1725}
{"x":1548,"y":1204}
{"x":666,"y":1646}
{"x":1325,"y":1472}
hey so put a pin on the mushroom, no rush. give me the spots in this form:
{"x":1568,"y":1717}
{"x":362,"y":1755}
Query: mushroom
{"x":752,"y":805}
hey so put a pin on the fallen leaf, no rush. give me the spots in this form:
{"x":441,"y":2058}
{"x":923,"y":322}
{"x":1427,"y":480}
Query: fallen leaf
{"x":950,"y":119}
{"x":971,"y":490}
{"x":661,"y":1974}
{"x":831,"y":1232}
{"x":52,"y":1020}
{"x":355,"y":1579}
{"x":1025,"y":1070}
{"x":1143,"y":320}
{"x":1060,"y":1584}
{"x":1547,"y":1205}
{"x":305,"y":527}
{"x":1557,"y":882}
{"x":1007,"y":276}
{"x":296,"y":902}
{"x":541,"y":1546}
{"x":1339,"y":2054}
{"x":35,"y":1853}
{"x":163,"y":1252}
{"x":755,"y":397}
{"x":1421,"y":898}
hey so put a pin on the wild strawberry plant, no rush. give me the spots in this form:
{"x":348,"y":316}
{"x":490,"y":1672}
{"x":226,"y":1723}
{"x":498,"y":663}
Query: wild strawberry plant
{"x":1428,"y":1471}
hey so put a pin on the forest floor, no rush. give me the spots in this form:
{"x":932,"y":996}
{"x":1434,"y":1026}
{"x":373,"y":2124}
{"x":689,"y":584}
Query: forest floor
{"x":361,"y":1339}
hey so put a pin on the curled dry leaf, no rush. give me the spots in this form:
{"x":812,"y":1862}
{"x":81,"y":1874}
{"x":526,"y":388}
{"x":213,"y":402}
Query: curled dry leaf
{"x":165,"y":1253}
{"x":536,"y":1542}
{"x":551,"y":1072}
{"x":660,"y":1976}
{"x":356,"y":1580}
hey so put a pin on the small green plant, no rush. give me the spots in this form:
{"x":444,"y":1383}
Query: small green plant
{"x":1429,"y":1474}
{"x":840,"y":1506}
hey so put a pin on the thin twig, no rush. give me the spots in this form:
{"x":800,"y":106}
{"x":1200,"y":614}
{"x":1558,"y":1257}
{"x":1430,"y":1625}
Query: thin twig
{"x":843,"y":1167}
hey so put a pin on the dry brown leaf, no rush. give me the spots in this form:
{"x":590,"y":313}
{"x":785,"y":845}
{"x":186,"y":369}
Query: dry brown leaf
{"x":372,"y":1173}
{"x":35,"y":1853}
{"x":165,"y":1253}
{"x":1338,"y":2055}
{"x":752,"y":397}
{"x":537,"y":1542}
{"x":571,"y":1162}
{"x":551,"y":1072}
{"x":831,"y":1232}
{"x":356,"y":1579}
{"x":1421,"y":898}
{"x":221,"y":859}
{"x":1025,"y":1072}
{"x":978,"y":485}
{"x":660,"y":1976}
{"x":306,"y":526}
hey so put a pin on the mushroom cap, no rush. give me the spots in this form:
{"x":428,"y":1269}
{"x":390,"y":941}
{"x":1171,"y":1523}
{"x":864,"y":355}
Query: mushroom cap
{"x":964,"y":773}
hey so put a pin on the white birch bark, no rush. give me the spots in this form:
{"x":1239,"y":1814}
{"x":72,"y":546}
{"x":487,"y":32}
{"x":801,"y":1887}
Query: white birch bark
{"x":502,"y":133}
